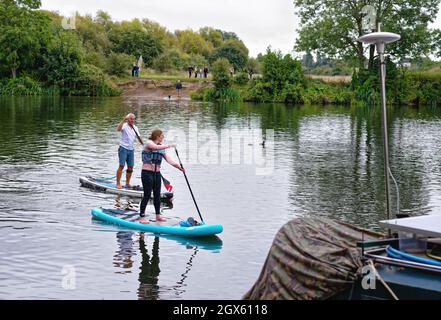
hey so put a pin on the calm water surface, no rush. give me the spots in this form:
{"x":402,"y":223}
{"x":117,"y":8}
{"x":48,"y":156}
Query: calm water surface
{"x":327,"y":161}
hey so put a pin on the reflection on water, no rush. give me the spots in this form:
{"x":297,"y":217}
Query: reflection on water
{"x":149,"y":270}
{"x":123,"y":256}
{"x":328,"y":161}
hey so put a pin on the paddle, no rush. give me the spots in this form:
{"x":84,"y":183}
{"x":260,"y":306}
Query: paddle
{"x":167,"y":183}
{"x":188,"y":184}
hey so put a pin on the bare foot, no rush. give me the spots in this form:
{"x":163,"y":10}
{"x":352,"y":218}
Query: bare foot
{"x":160,"y":218}
{"x":119,"y":186}
{"x":143,"y":221}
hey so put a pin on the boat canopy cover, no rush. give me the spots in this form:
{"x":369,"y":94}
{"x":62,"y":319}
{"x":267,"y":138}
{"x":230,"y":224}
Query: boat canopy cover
{"x":311,"y":258}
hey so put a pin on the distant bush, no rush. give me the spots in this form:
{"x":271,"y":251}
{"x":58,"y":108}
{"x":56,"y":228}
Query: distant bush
{"x":172,"y":59}
{"x":221,"y":76}
{"x":402,"y":86}
{"x":241,"y":78}
{"x":211,"y":94}
{"x":282,"y":80}
{"x":91,"y":81}
{"x":320,"y":92}
{"x":21,"y":86}
{"x":119,"y":64}
{"x":426,"y":87}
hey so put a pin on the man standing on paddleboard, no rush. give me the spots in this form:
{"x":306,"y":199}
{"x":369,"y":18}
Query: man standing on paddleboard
{"x":126,"y":151}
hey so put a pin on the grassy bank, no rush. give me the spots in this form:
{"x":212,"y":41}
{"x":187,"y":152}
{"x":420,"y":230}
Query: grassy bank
{"x":403,"y":88}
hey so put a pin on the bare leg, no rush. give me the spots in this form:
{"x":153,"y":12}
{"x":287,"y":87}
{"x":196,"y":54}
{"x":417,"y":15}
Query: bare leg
{"x":128,"y":175}
{"x":118,"y":177}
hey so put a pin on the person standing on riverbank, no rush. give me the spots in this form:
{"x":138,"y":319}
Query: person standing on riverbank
{"x":190,"y":71}
{"x":126,"y":151}
{"x":200,"y":72}
{"x":196,"y":72}
{"x":205,"y":72}
{"x":179,"y":88}
{"x":152,"y":155}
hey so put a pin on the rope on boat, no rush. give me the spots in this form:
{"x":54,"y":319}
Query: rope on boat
{"x":371,"y":263}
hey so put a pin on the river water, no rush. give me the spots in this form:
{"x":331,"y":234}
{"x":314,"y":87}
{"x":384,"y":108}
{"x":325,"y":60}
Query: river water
{"x":315,"y":161}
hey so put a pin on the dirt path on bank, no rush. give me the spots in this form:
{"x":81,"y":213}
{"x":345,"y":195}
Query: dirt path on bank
{"x":160,"y":89}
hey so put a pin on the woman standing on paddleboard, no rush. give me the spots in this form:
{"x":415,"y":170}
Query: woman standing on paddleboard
{"x":152,"y":155}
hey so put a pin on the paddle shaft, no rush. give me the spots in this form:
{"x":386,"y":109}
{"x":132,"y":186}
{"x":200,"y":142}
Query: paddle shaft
{"x":188,"y":184}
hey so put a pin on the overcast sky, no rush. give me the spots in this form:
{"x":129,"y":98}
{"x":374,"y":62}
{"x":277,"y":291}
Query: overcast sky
{"x":259,"y":23}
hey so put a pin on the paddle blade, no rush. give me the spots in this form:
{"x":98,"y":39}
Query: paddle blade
{"x":167,"y":184}
{"x":168,"y":187}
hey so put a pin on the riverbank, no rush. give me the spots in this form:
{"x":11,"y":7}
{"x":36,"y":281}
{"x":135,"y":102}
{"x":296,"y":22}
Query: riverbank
{"x":154,"y":89}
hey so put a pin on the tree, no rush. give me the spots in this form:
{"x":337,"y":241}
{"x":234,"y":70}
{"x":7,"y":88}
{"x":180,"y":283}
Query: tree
{"x":232,"y":53}
{"x":308,"y":60}
{"x":436,"y":45}
{"x":221,"y":75}
{"x":193,"y":43}
{"x":282,"y":80}
{"x":279,"y":70}
{"x":166,"y":38}
{"x":172,"y":59}
{"x":118,"y":64}
{"x":253,"y":67}
{"x":104,"y":19}
{"x":93,"y":34}
{"x":62,"y":61}
{"x":212,"y":35}
{"x":332,"y":26}
{"x":239,"y":44}
{"x":23,"y":33}
{"x":131,"y":38}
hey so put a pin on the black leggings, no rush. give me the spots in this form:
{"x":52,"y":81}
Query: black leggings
{"x":151,"y":181}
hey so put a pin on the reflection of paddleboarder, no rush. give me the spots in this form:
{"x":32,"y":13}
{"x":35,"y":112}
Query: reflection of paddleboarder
{"x":179,"y":87}
{"x":123,"y":256}
{"x":148,"y":276}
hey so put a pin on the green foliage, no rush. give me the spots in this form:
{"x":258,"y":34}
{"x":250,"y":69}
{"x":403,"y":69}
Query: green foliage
{"x":93,"y":35}
{"x":23,"y":33}
{"x":426,"y":86}
{"x":213,"y":36}
{"x":221,"y":75}
{"x":241,"y":78}
{"x":35,"y":47}
{"x":320,"y":92}
{"x":131,"y":38}
{"x":278,"y":70}
{"x":283,"y":80}
{"x":211,"y":94}
{"x":21,"y":86}
{"x":332,"y":27}
{"x":291,"y":93}
{"x":233,"y":53}
{"x":402,"y":86}
{"x":91,"y":81}
{"x":196,"y":60}
{"x":253,"y":67}
{"x":192,"y":42}
{"x":172,"y":59}
{"x":62,"y":60}
{"x":119,"y":64}
{"x":96,"y":59}
{"x":259,"y":91}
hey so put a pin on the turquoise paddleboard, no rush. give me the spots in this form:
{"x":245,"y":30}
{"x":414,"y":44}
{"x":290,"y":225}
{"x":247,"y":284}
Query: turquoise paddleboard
{"x":130,"y":220}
